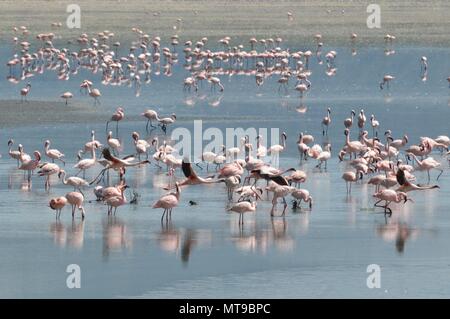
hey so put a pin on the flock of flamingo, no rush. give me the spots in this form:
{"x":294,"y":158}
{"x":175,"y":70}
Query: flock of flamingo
{"x":384,"y":161}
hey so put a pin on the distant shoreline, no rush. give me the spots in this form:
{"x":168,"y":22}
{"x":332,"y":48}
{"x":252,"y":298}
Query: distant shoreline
{"x":412,"y":22}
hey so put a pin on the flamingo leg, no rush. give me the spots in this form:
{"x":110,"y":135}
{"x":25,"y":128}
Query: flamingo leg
{"x":442,"y":171}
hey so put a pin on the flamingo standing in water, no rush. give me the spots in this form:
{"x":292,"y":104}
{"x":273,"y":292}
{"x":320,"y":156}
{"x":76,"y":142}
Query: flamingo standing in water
{"x":348,"y":122}
{"x":241,"y":208}
{"x":25,"y":91}
{"x":66,"y":96}
{"x":76,"y":199}
{"x":54,"y":154}
{"x":427,"y":165}
{"x":15,"y":154}
{"x":349,"y":178}
{"x":117,"y":116}
{"x":95,"y":94}
{"x":386,"y":80}
{"x":166,"y":121}
{"x":116,"y":201}
{"x":168,"y":202}
{"x":114,"y":143}
{"x":30,"y":165}
{"x":302,"y":195}
{"x":389,"y":196}
{"x":375,"y":125}
{"x":58,"y":204}
{"x":150,"y":115}
{"x":87,"y":163}
{"x":48,"y":169}
{"x":361,"y":120}
{"x":326,"y":122}
{"x":276,"y":149}
{"x":76,"y":182}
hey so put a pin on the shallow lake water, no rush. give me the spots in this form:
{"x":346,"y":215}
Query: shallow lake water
{"x":203,"y":253}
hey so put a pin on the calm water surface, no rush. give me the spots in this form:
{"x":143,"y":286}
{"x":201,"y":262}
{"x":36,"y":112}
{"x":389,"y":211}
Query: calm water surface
{"x":203,"y":253}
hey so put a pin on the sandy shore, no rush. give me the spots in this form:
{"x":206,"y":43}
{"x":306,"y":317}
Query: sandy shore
{"x":413,"y":22}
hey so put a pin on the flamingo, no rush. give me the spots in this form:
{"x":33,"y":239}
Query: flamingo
{"x":48,"y":169}
{"x":87,"y":163}
{"x":168,"y":202}
{"x":58,"y":204}
{"x":326,"y":122}
{"x":427,"y":165}
{"x":302,"y":195}
{"x":231,"y":183}
{"x":92,"y":144}
{"x":361,"y":120}
{"x":54,"y":154}
{"x":76,"y":199}
{"x":279,"y":191}
{"x":66,"y":96}
{"x":324,"y":156}
{"x":150,"y":115}
{"x":386,"y":80}
{"x":114,"y":143}
{"x":348,"y":122}
{"x":116,"y":201}
{"x":349,"y":178}
{"x":117,"y":116}
{"x":17,"y":155}
{"x":241,"y":208}
{"x":276,"y":149}
{"x":30,"y":165}
{"x":116,"y":163}
{"x":398,"y":143}
{"x":95,"y":94}
{"x":140,"y":145}
{"x":167,"y":121}
{"x":389,"y":196}
{"x":25,"y":91}
{"x":374,"y":124}
{"x":76,"y":182}
{"x":407,"y":186}
{"x":353,"y":147}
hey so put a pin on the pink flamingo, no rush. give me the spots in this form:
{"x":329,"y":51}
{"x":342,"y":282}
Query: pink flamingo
{"x":241,"y":208}
{"x":66,"y":96}
{"x":58,"y":204}
{"x":116,"y":201}
{"x":31,"y":165}
{"x":168,"y":202}
{"x":389,"y":196}
{"x":25,"y":91}
{"x":76,"y":199}
{"x":117,"y":116}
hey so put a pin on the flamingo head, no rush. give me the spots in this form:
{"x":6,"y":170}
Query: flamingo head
{"x":37,"y":155}
{"x":346,"y":132}
{"x":10,"y":142}
{"x":405,"y":137}
{"x":135,"y":136}
{"x":61,"y":172}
